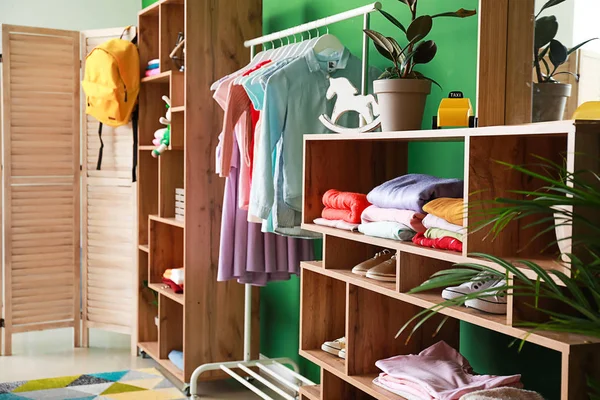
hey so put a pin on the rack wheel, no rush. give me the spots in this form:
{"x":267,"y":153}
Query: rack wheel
{"x":144,"y":355}
{"x":472,"y":122}
{"x":434,"y":125}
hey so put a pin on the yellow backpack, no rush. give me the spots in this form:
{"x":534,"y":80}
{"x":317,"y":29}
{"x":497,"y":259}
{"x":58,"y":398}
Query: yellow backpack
{"x":112,"y":81}
{"x":111,"y":84}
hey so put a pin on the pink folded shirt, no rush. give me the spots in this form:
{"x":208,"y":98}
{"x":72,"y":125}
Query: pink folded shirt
{"x":406,"y":217}
{"x":438,"y":372}
{"x":336,"y":223}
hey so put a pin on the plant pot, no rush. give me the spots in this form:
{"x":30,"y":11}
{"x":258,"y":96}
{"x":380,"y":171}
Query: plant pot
{"x":564,"y":230}
{"x":550,"y":101}
{"x":401,"y":103}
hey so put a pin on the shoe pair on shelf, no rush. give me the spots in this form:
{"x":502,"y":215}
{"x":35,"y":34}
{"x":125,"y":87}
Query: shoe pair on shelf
{"x":336,"y":347}
{"x":382,"y":267}
{"x":494,"y":302}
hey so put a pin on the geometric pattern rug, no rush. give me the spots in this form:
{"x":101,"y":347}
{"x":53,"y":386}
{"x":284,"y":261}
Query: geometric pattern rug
{"x":141,"y":384}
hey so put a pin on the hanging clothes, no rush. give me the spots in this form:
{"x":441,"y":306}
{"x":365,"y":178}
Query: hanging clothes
{"x":246,"y":253}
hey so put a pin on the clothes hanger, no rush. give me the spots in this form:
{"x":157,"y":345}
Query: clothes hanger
{"x":268,"y":52}
{"x":328,"y":42}
{"x":263,"y":55}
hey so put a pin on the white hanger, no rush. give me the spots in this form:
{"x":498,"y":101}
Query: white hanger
{"x":328,"y":41}
{"x":255,"y":61}
{"x":290,"y":48}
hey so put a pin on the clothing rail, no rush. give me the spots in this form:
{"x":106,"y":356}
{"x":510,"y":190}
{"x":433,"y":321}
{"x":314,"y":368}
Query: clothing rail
{"x":365,"y":11}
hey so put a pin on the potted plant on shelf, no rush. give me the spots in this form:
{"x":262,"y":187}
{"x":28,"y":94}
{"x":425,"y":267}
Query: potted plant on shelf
{"x":401,"y":90}
{"x":549,"y":95}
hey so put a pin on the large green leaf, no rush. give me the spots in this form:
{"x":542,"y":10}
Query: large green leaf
{"x":397,"y":49}
{"x":419,"y":28}
{"x":550,"y":3}
{"x":384,"y":52}
{"x":382,"y":44}
{"x":393,"y":20}
{"x":425,"y":52}
{"x":461,"y":13}
{"x":575,"y":48}
{"x":409,"y":3}
{"x":558,"y":53}
{"x":546,"y":29}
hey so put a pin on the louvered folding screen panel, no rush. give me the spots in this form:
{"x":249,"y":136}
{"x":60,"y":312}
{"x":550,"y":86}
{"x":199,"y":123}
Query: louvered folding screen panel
{"x":109,"y":269}
{"x":41,"y":179}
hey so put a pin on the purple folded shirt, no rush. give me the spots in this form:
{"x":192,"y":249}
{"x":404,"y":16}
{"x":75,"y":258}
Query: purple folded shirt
{"x":413,"y":191}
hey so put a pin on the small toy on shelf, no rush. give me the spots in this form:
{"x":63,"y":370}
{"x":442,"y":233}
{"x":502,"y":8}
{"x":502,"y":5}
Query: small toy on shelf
{"x":455,"y":111}
{"x":162,"y":137}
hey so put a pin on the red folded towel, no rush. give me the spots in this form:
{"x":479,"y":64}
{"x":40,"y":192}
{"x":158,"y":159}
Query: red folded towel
{"x":444,"y":243}
{"x":346,"y":206}
{"x":175,"y":287}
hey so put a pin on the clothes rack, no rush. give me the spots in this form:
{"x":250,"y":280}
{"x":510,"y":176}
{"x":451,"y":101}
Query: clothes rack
{"x":262,"y":364}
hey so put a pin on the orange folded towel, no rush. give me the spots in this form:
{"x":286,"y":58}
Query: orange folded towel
{"x":346,"y":206}
{"x":452,"y":210}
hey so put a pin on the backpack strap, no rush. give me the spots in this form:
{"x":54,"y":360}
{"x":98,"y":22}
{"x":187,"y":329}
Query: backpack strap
{"x":101,"y":151}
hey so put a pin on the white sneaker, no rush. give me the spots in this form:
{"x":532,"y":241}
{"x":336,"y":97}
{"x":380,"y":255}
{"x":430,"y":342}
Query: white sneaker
{"x":480,"y":282}
{"x":342,"y":354}
{"x":493,"y":303}
{"x":335,"y":346}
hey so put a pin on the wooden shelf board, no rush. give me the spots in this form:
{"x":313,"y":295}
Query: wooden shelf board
{"x":552,"y":340}
{"x":151,"y":10}
{"x":168,"y":292}
{"x":311,"y":392}
{"x":553,"y":128}
{"x":168,"y":221}
{"x":177,"y":109}
{"x":321,"y":358}
{"x":181,"y":2}
{"x":444,"y":255}
{"x":151,"y":349}
{"x":144,"y":247}
{"x":163,"y":77}
{"x":146,"y":147}
{"x":335,"y":366}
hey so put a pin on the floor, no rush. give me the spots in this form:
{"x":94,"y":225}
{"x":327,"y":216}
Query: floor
{"x":48,"y":354}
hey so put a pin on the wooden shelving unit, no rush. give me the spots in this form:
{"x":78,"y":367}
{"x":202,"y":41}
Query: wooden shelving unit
{"x":206,"y":322}
{"x":336,"y":303}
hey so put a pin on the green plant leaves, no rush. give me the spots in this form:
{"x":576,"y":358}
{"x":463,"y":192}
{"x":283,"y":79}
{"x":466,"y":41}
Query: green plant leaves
{"x":461,"y":13}
{"x":409,"y":3}
{"x":579,"y":45}
{"x":382,"y":44}
{"x":558,"y":53}
{"x":419,"y":28}
{"x":425,"y":52}
{"x":545,"y":30}
{"x":393,"y":20}
{"x":550,"y":3}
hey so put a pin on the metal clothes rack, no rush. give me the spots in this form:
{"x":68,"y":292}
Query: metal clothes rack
{"x":247,"y":362}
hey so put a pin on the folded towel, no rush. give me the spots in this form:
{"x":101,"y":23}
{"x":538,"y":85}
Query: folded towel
{"x":174,"y":286}
{"x":409,"y":218}
{"x":387,"y":230}
{"x":401,"y":393}
{"x":176,"y":358}
{"x":152,"y":72}
{"x":152,"y":66}
{"x":154,"y":61}
{"x":346,"y":206}
{"x":413,"y":191}
{"x":431,"y":221}
{"x":336,"y":223}
{"x":452,"y":210}
{"x":436,"y":233}
{"x":504,"y":393}
{"x":445,"y":243}
{"x":177,"y":275}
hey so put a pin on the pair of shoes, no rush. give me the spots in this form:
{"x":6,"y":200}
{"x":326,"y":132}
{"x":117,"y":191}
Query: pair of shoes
{"x":336,"y":347}
{"x":382,"y":267}
{"x":494,"y":301}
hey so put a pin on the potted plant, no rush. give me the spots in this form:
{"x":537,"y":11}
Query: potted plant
{"x":549,"y":95}
{"x":401,"y":90}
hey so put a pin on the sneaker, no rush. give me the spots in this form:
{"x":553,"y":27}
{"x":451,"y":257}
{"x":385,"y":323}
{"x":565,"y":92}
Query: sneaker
{"x":335,"y":346}
{"x":342,"y":354}
{"x":493,"y":303}
{"x":480,"y":282}
{"x":362,"y":268}
{"x":384,"y":272}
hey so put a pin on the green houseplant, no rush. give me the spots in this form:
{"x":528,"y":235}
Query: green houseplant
{"x":402,"y":90}
{"x":549,"y":95}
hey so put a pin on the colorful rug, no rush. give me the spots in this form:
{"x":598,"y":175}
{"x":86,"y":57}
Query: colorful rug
{"x":142,"y":384}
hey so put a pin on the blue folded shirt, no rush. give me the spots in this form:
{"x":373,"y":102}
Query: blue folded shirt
{"x":413,"y":191}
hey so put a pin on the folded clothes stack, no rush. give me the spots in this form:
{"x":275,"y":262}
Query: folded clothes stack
{"x":342,"y":209}
{"x":153,"y":67}
{"x":175,"y":279}
{"x":438,"y":372}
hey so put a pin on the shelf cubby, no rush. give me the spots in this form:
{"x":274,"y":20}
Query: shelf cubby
{"x":334,"y":388}
{"x":154,"y":107}
{"x":148,"y":190}
{"x":171,"y":167}
{"x":172,"y":22}
{"x":166,"y":249}
{"x":148,"y":35}
{"x":375,"y":311}
{"x":170,"y":330}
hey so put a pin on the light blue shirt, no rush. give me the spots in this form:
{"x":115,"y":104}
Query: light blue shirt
{"x":295,"y":97}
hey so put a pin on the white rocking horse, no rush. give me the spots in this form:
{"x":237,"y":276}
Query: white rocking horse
{"x":348,"y":100}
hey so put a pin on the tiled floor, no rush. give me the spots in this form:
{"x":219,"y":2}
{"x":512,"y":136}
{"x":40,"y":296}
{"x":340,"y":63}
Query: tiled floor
{"x":47,"y":354}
